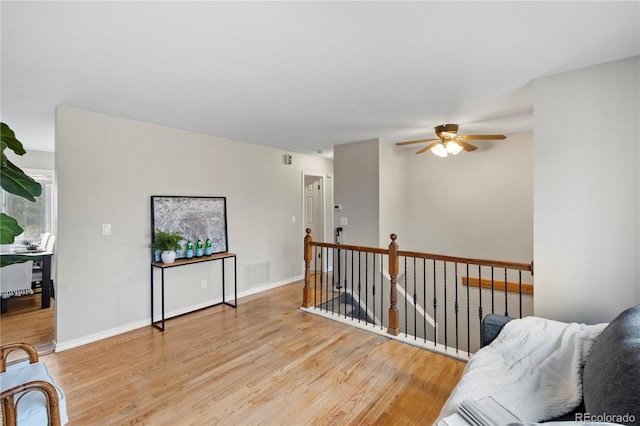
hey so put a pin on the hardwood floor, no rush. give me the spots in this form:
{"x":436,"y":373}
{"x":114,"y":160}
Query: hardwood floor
{"x":25,"y":321}
{"x":264,"y":363}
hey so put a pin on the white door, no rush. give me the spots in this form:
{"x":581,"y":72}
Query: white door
{"x":313,"y":208}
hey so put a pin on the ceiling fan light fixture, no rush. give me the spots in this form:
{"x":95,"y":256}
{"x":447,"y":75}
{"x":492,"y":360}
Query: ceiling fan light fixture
{"x":440,"y":150}
{"x":453,"y":148}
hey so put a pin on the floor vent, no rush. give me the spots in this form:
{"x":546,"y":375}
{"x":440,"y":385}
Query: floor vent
{"x":257,"y":274}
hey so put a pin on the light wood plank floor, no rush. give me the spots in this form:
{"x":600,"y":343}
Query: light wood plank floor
{"x":264,"y":363}
{"x":25,"y":321}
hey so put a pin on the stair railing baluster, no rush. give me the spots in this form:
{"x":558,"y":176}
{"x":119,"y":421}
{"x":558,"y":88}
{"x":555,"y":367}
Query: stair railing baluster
{"x":327,"y":280}
{"x":424,"y":297}
{"x":445,"y":303}
{"x":346,"y":269}
{"x":468,"y":314}
{"x":359,"y":281}
{"x":404,"y":286}
{"x":373,"y":291}
{"x":455,"y":306}
{"x":506,"y":293}
{"x":366,"y":287}
{"x":353,"y":308}
{"x":381,"y":291}
{"x":315,"y":276}
{"x":492,"y":298}
{"x":415,"y":301}
{"x":435,"y":307}
{"x":480,"y":297}
{"x":520,"y":290}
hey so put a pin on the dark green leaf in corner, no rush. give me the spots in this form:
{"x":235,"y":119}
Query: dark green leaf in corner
{"x":16,"y":182}
{"x":12,"y":178}
{"x":10,"y":259}
{"x":8,"y":138}
{"x":9,"y":229}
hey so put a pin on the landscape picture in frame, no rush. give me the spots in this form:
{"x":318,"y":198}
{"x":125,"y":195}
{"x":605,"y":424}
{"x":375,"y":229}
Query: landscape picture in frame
{"x":193,"y":217}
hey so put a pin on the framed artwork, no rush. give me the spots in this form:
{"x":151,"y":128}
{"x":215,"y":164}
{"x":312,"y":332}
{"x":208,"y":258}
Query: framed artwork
{"x":193,"y":217}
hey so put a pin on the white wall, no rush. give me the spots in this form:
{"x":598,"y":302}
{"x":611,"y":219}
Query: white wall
{"x":586,"y":192}
{"x":477,"y":204}
{"x":107,"y":169}
{"x":370,"y":185}
{"x":393,"y":192}
{"x":356,"y":177}
{"x":41,"y":160}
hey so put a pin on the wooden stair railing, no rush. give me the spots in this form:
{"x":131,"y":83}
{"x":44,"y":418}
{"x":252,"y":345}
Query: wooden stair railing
{"x":355,"y":298}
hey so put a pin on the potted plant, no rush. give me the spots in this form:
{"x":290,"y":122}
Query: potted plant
{"x":15,"y":181}
{"x":168,"y":243}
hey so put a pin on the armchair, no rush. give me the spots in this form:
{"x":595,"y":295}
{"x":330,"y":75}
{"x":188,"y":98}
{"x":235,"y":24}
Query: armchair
{"x":28,"y":393}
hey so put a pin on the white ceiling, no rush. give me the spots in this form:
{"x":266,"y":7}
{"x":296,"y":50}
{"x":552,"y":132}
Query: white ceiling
{"x":301,"y":76}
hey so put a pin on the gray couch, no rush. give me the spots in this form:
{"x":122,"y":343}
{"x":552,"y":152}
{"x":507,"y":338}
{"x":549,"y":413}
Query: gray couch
{"x":611,"y":376}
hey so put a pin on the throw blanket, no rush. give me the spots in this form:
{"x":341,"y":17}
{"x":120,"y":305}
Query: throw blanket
{"x":533,"y":368}
{"x":15,"y":280}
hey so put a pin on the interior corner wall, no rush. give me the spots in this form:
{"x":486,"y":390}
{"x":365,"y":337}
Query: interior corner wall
{"x":587,"y":192}
{"x":477,"y":204}
{"x":393,"y":192}
{"x":107,"y":169}
{"x":41,"y":160}
{"x":356,"y":180}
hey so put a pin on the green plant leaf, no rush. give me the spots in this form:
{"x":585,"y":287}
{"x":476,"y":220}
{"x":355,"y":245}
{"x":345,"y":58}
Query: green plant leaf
{"x":9,"y":229}
{"x":14,"y":180}
{"x":8,"y":138}
{"x":10,"y":259}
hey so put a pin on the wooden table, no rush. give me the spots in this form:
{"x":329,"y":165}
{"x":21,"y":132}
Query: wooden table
{"x":183,"y":262}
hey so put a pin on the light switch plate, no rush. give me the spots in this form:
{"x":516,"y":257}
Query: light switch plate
{"x":106,"y":229}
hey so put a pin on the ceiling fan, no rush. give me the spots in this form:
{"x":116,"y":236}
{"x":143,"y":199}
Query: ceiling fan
{"x":449,"y":142}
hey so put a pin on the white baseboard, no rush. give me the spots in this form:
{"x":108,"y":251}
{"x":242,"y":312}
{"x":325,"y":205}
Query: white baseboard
{"x":63,"y":346}
{"x":270,"y":286}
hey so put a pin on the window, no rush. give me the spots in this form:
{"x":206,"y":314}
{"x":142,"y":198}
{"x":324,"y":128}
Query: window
{"x":35,"y":218}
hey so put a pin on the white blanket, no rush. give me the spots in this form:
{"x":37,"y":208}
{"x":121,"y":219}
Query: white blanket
{"x":533,"y":368}
{"x":15,"y":280}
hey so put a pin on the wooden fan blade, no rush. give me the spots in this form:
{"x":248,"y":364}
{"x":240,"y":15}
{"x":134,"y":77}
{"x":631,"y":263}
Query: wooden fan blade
{"x":482,"y":137}
{"x":418,"y":141}
{"x":466,"y":146}
{"x":428,"y":147}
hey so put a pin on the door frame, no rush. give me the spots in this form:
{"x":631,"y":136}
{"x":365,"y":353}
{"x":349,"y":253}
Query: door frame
{"x":323,"y":204}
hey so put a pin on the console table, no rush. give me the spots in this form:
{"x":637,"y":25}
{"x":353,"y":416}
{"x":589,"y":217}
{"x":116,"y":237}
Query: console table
{"x":182,"y":262}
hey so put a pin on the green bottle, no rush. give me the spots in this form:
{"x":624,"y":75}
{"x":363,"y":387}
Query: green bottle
{"x":207,"y":247}
{"x":189,"y":251}
{"x":199,"y":248}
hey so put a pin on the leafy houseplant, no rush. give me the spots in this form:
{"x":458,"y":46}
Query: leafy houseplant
{"x":168,"y":243}
{"x":14,"y":181}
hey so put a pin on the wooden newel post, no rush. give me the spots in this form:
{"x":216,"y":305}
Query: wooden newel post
{"x":308,"y":255}
{"x":394,"y":316}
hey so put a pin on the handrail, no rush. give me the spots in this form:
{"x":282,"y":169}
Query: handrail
{"x":349,"y":247}
{"x":520,"y":266}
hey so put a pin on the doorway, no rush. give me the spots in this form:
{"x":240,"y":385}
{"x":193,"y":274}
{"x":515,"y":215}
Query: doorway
{"x":313,"y":206}
{"x":25,"y":319}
